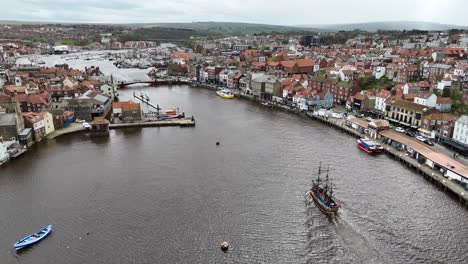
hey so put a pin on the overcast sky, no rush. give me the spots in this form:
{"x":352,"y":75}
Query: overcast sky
{"x":285,"y":12}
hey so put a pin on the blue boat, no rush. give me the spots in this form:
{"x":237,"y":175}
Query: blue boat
{"x":34,"y":238}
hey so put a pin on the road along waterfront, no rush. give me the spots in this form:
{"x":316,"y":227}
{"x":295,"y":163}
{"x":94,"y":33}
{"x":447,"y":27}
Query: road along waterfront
{"x":170,"y":195}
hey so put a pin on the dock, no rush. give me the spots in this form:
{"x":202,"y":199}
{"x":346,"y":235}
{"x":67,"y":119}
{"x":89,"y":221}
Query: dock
{"x":72,"y":128}
{"x":434,"y":176}
{"x":181,"y":122}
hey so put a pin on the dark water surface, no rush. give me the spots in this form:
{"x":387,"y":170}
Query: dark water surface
{"x":170,"y":195}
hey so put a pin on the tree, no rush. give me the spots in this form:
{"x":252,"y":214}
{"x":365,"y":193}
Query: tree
{"x":446,"y":92}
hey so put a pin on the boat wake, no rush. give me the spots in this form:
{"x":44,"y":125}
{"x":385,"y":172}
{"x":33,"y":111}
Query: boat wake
{"x":331,"y":239}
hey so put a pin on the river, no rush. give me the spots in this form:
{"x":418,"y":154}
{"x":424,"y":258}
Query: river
{"x":170,"y":195}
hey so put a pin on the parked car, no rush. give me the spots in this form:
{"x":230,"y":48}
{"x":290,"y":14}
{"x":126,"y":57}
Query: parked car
{"x":86,"y":125}
{"x":400,"y":129}
{"x":79,"y":120}
{"x":411,"y":134}
{"x":420,"y":138}
{"x":429,"y":142}
{"x":360,"y":115}
{"x":369,"y":119}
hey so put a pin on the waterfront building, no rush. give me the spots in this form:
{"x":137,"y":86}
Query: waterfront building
{"x":48,"y":122}
{"x":244,"y":85}
{"x":376,"y":126}
{"x":460,"y":133}
{"x":36,"y":122}
{"x":265,"y":87}
{"x":26,"y":137}
{"x":405,"y":113}
{"x":11,"y":121}
{"x":363,"y":101}
{"x":99,"y":127}
{"x":91,"y":104}
{"x":433,"y":159}
{"x":380,"y":99}
{"x":315,"y":99}
{"x":358,"y":124}
{"x":442,"y":123}
{"x":127,"y":111}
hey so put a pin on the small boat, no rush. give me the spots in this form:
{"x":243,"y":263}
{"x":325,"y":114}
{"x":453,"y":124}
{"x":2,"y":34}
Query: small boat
{"x":225,"y":93}
{"x":34,"y":238}
{"x":369,"y":146}
{"x":172,"y":114}
{"x":323,"y":195}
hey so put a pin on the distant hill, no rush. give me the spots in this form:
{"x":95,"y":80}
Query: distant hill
{"x":228,"y":27}
{"x":396,"y":25}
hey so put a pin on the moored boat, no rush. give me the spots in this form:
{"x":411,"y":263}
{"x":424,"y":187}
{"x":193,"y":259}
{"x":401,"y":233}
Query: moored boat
{"x":34,"y":238}
{"x":323,"y":195}
{"x":369,"y":146}
{"x":225,"y":93}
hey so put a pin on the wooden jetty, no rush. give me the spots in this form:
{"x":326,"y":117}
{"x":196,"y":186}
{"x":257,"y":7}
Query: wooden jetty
{"x":181,"y":122}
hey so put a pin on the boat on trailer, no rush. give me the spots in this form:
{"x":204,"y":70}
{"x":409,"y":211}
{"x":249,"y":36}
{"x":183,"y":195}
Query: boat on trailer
{"x":34,"y":238}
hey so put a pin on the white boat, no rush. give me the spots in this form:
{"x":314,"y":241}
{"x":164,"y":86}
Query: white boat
{"x":225,"y":93}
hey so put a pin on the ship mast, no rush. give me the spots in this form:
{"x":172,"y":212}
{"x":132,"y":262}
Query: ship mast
{"x":326,"y":181}
{"x":319,"y":172}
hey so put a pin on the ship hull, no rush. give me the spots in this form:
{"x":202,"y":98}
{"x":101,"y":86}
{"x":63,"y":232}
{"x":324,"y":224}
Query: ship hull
{"x":321,"y":204}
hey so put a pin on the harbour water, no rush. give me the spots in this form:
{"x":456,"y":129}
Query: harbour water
{"x":170,"y":195}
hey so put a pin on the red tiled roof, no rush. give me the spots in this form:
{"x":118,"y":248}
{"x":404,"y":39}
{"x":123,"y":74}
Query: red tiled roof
{"x":305,"y":63}
{"x":441,"y":117}
{"x":47,"y":70}
{"x":288,"y":64}
{"x":130,"y":107}
{"x":359,"y":96}
{"x":384,"y":94}
{"x":120,"y":104}
{"x":30,"y":98}
{"x":33,"y":117}
{"x":11,"y":89}
{"x":444,"y":100}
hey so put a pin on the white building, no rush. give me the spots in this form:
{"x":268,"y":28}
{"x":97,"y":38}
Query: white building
{"x":427,"y":99}
{"x":379,"y":72}
{"x":460,"y":132}
{"x":380,"y":99}
{"x":48,"y":123}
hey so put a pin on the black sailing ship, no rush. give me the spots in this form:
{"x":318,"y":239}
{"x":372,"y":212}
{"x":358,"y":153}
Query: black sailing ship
{"x":322,"y":194}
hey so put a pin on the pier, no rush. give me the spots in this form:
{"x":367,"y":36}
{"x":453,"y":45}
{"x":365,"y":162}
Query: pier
{"x":434,"y":176}
{"x":182,"y":122}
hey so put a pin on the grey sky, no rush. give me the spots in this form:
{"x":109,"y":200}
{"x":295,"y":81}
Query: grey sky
{"x":285,"y":12}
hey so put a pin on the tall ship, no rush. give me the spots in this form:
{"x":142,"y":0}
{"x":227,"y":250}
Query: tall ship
{"x":322,"y":193}
{"x":369,"y":146}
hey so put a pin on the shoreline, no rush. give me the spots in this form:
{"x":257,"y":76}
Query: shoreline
{"x":428,"y":173}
